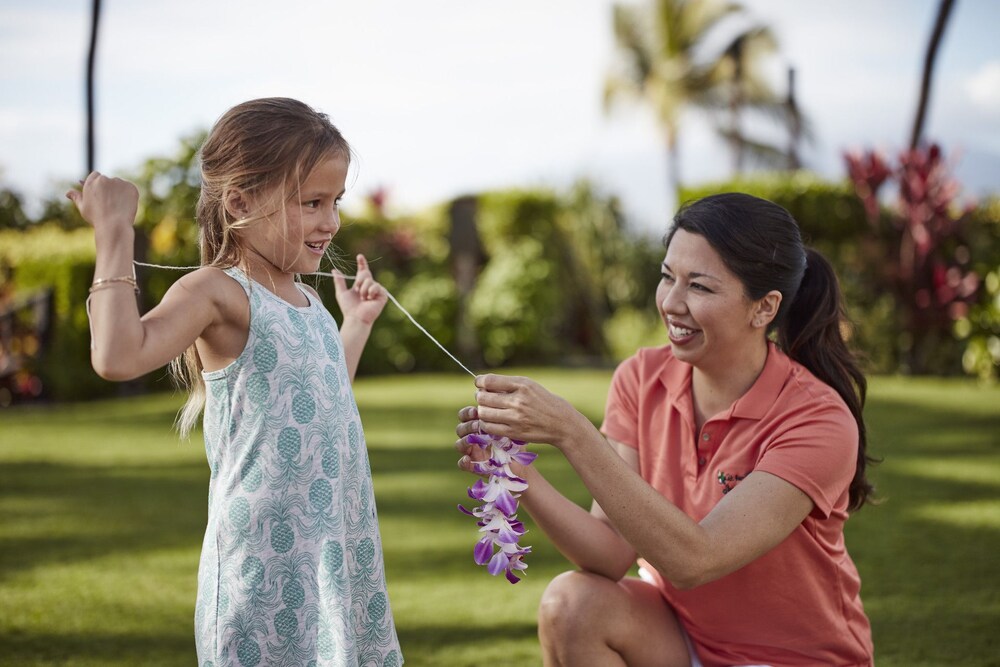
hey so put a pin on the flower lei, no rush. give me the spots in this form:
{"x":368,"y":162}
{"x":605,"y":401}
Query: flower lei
{"x":497,"y":514}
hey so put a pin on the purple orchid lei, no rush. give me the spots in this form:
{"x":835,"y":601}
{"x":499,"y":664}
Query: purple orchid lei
{"x":497,"y":514}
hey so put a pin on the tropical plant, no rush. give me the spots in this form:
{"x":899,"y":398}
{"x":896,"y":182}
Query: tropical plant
{"x":925,"y":257}
{"x":665,"y":62}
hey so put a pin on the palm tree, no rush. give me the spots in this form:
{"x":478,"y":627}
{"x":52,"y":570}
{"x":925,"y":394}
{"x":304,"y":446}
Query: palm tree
{"x":95,"y":16}
{"x":944,"y":11}
{"x":664,"y":63}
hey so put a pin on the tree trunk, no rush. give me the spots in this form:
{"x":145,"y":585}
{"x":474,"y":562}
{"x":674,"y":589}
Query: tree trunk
{"x":794,"y":124}
{"x":91,"y":58}
{"x":944,"y":10}
{"x":673,"y":164}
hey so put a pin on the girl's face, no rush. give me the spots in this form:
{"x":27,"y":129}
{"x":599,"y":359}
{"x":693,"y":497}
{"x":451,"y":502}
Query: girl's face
{"x":296,"y":235}
{"x":710,"y":320}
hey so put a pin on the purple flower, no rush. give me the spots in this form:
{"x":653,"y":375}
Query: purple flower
{"x":499,"y":547}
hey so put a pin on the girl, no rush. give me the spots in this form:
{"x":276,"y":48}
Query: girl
{"x":291,"y":568}
{"x":730,"y":465}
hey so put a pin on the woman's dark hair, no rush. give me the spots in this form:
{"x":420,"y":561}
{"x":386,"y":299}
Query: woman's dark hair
{"x":760,"y":243}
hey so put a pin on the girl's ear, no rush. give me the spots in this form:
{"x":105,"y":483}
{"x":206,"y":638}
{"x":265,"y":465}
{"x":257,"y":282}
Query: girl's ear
{"x":237,"y":204}
{"x":766,"y":309}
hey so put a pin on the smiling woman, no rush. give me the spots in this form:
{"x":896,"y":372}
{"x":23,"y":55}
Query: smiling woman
{"x":727,"y":460}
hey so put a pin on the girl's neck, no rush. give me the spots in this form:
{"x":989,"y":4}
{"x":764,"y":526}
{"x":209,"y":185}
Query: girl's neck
{"x":279,"y":282}
{"x":715,"y":389}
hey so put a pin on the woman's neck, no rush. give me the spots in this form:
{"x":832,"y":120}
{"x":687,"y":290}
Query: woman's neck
{"x":715,"y":389}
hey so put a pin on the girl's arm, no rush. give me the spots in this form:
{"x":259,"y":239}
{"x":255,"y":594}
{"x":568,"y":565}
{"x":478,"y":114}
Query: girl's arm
{"x":361,"y":305}
{"x":124,"y":345}
{"x":748,"y":522}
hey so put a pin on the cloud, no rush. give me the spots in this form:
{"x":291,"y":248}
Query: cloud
{"x":983,"y":87}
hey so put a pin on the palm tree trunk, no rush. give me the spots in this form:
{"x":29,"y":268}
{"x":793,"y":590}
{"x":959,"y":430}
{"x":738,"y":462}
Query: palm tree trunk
{"x":944,"y":10}
{"x":91,"y":58}
{"x":673,"y":163}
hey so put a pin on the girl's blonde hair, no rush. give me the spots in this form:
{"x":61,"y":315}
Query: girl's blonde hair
{"x":255,"y":150}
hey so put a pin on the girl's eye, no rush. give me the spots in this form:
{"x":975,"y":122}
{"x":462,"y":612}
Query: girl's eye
{"x":313,"y":203}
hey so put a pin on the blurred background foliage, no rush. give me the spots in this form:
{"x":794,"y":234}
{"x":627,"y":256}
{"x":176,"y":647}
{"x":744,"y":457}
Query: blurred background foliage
{"x":560,"y":277}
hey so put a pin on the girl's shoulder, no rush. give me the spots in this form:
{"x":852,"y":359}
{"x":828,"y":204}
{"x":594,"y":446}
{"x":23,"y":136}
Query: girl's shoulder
{"x":212,"y":283}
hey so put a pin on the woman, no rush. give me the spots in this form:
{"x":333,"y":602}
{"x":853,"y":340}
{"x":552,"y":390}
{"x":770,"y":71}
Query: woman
{"x":732,"y":466}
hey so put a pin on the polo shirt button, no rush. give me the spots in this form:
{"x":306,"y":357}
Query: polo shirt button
{"x":706,"y":437}
{"x":702,"y":461}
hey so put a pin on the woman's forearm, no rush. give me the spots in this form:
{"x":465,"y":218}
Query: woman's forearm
{"x":586,"y":540}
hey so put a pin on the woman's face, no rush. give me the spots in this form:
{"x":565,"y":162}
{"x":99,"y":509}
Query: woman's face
{"x":710,"y":321}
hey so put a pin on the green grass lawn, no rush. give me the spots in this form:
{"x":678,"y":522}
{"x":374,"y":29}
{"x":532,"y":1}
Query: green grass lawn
{"x":102,"y":511}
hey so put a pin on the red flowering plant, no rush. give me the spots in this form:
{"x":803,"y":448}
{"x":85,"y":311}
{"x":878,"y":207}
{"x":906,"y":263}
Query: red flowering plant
{"x":924,"y":259}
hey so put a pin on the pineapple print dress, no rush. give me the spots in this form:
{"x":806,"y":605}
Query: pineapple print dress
{"x":291,"y":566}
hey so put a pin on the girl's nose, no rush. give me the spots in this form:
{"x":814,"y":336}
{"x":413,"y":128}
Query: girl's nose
{"x":331,"y":222}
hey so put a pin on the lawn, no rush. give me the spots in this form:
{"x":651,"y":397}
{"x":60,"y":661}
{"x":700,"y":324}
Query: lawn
{"x":102,"y":511}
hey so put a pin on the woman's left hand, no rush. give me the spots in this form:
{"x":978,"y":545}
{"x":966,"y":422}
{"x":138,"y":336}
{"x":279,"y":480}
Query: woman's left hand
{"x":522,"y":409}
{"x":365,"y":299}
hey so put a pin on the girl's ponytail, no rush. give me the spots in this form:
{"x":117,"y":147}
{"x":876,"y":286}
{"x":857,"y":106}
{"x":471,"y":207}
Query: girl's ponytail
{"x":811,"y":334}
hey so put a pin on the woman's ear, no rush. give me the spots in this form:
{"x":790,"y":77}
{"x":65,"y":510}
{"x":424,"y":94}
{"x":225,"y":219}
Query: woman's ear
{"x":766,"y":309}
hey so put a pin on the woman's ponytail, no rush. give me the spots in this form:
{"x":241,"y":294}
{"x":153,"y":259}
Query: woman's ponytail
{"x":811,"y":333}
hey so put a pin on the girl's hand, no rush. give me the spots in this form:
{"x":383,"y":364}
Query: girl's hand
{"x":365,"y":300}
{"x":106,"y":203}
{"x":522,"y":409}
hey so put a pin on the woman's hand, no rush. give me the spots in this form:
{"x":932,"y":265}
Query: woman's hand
{"x":365,"y":300}
{"x":471,"y":454}
{"x":109,"y":204}
{"x":522,"y":409}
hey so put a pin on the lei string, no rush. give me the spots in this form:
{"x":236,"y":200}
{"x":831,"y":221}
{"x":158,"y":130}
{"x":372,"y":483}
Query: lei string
{"x":499,"y":549}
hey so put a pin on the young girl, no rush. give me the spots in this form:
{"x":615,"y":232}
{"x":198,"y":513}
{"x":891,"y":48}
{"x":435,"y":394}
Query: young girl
{"x":291,"y":568}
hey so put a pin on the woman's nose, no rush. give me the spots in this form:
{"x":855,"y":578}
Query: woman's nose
{"x":673,"y":302}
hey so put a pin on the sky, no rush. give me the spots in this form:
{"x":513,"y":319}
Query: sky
{"x":448,"y":97}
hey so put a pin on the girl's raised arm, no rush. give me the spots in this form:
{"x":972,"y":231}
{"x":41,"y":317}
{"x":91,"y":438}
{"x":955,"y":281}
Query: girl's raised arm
{"x":125,"y":346}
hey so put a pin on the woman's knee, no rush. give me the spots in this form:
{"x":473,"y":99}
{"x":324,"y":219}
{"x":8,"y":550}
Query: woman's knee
{"x":573,"y":602}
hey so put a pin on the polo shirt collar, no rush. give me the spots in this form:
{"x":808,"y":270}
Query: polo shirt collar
{"x":755,"y":403}
{"x":676,"y":377}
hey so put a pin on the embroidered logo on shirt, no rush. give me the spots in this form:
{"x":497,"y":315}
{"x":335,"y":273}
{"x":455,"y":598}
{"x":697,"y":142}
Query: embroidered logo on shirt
{"x":728,"y":481}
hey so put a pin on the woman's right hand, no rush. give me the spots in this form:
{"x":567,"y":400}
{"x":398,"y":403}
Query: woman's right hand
{"x":106,"y":203}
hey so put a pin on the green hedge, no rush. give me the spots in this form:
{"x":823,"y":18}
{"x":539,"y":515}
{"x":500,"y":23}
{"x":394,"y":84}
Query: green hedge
{"x":47,"y":257}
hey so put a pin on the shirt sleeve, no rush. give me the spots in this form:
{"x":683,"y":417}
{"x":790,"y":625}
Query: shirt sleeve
{"x":621,"y":414}
{"x":817,"y":452}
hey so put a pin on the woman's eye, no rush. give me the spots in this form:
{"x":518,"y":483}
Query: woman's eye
{"x":667,"y":277}
{"x":699,"y":287}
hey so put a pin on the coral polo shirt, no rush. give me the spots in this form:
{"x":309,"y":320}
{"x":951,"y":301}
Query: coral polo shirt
{"x":799,"y":603}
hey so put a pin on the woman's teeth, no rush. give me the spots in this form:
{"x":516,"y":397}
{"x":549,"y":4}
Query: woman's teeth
{"x":680,"y":332}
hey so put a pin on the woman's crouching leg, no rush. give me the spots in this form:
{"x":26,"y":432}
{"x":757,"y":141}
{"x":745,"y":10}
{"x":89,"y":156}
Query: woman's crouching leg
{"x":586,"y":619}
